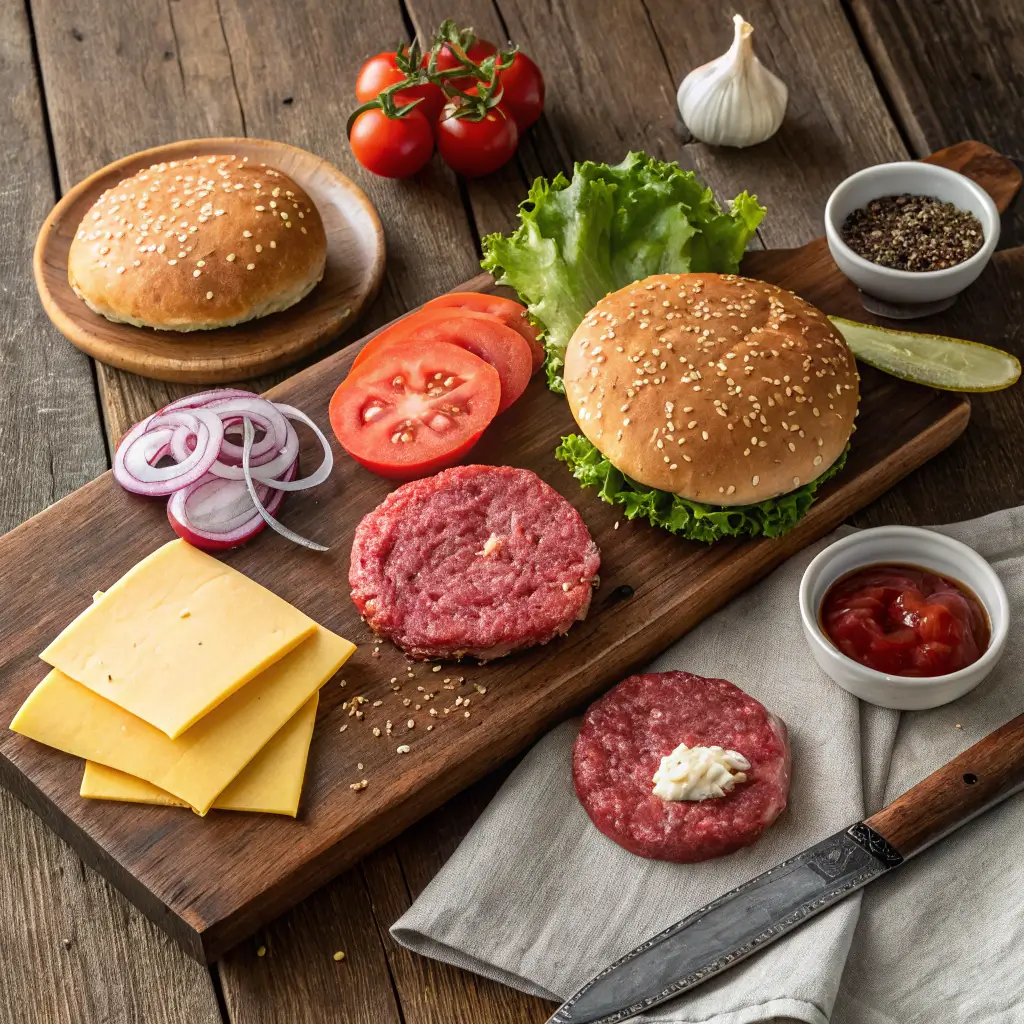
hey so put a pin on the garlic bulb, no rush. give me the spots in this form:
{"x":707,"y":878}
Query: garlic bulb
{"x":733,"y":100}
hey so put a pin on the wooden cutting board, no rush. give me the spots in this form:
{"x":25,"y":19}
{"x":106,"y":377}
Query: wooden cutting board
{"x":211,"y":882}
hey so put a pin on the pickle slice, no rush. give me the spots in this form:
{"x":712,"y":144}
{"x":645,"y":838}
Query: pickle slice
{"x":950,"y":364}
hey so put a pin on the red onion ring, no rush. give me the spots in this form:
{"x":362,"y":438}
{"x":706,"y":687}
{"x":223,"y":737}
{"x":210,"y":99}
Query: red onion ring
{"x":135,"y":460}
{"x":193,"y":514}
{"x":221,"y":492}
{"x":265,"y":512}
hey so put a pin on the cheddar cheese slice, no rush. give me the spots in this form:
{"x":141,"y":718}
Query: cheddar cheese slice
{"x":176,"y":635}
{"x":200,"y":763}
{"x":271,"y":782}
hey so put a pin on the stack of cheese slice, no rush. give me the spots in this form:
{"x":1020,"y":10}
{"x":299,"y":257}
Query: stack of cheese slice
{"x":186,"y":683}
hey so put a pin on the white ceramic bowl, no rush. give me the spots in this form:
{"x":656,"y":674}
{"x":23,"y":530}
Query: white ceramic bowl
{"x":906,"y":545}
{"x":911,"y":176}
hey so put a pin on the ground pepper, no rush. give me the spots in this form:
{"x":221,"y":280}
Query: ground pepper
{"x":908,"y":232}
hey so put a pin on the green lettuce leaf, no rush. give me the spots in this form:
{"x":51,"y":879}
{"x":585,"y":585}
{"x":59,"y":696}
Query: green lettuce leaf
{"x":579,"y":240}
{"x":691,"y":519}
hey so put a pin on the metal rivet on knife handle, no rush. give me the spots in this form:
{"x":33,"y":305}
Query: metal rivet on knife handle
{"x":981,"y":776}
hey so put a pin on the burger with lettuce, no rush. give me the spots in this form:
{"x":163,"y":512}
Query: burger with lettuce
{"x":710,"y":404}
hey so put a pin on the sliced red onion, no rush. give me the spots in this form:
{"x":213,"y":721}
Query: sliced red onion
{"x":221,"y":492}
{"x":249,"y":436}
{"x":325,"y":467}
{"x":264,"y":415}
{"x":201,"y":398}
{"x":135,"y":460}
{"x":269,"y":466}
{"x":219,"y":514}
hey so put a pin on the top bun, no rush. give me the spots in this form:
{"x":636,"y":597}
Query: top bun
{"x":193,"y":244}
{"x":718,"y":388}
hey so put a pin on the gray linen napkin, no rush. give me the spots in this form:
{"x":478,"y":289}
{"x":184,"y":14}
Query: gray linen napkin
{"x":535,"y":897}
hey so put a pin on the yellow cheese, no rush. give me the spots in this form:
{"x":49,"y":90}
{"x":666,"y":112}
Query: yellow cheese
{"x":198,"y":765}
{"x":175,"y":636}
{"x":271,"y":782}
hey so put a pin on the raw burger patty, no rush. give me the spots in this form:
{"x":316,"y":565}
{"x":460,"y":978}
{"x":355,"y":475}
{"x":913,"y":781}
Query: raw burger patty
{"x":631,"y":728}
{"x":478,"y":560}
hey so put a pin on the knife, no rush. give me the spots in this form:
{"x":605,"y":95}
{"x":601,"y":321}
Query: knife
{"x":748,"y":918}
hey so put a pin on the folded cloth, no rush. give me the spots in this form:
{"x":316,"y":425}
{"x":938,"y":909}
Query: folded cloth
{"x":535,"y":897}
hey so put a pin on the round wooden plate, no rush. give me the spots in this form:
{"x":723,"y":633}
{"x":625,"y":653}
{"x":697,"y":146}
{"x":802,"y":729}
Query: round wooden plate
{"x":355,"y":265}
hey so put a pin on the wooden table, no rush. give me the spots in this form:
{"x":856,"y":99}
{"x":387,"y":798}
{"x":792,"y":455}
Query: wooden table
{"x":87,"y":81}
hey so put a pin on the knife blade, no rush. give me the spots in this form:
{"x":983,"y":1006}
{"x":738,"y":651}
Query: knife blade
{"x":766,"y":908}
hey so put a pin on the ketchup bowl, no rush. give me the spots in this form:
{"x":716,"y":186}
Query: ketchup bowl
{"x":915,"y":549}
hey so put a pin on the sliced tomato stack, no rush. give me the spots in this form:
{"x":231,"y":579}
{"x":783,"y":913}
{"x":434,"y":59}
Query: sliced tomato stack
{"x":421,"y":392}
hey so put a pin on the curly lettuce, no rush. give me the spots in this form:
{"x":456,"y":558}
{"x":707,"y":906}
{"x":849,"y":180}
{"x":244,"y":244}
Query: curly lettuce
{"x":611,"y":225}
{"x":690,"y":519}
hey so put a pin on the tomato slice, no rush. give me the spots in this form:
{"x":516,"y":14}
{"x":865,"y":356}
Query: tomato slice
{"x":478,"y":333}
{"x":411,"y":411}
{"x":508,"y":311}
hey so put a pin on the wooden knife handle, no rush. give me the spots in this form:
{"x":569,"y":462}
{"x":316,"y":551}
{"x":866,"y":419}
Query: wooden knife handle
{"x":980,"y":777}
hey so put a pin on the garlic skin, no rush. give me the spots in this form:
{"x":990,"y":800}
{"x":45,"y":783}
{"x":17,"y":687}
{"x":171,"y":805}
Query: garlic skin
{"x":733,"y":100}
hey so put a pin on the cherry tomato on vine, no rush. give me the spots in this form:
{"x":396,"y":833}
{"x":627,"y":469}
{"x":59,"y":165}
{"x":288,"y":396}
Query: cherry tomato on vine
{"x":523,"y":86}
{"x":381,"y":71}
{"x":475,"y":148}
{"x":392,"y":147}
{"x":446,"y":59}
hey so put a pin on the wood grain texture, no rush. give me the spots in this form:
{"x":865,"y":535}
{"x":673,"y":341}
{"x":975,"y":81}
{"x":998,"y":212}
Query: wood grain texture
{"x":298,"y":981}
{"x":76,"y":952}
{"x":953,"y":69}
{"x":653,"y":589}
{"x":836,"y":121}
{"x":50,"y":437}
{"x":355,"y":265}
{"x":981,"y":776}
{"x":157,"y":72}
{"x":74,"y":949}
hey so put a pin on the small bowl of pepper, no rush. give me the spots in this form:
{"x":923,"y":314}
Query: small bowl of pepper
{"x":911,"y":234}
{"x":903,"y":617}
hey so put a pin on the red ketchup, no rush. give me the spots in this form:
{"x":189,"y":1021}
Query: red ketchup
{"x":905,"y":621}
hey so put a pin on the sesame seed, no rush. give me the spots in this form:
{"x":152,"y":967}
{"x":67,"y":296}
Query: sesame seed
{"x":756,"y":480}
{"x":200,"y":263}
{"x":209,"y":295}
{"x":196,"y":273}
{"x":250,"y":266}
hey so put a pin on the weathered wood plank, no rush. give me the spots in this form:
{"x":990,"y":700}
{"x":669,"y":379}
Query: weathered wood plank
{"x":50,"y":436}
{"x":953,"y":71}
{"x":156,"y":73}
{"x":836,"y":121}
{"x":298,"y":981}
{"x":75,"y":950}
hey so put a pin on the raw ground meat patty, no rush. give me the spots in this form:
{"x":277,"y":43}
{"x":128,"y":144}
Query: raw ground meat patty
{"x":477,"y":560}
{"x":631,"y":728}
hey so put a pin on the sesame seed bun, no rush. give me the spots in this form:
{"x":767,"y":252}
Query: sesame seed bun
{"x":189,"y":245}
{"x":721,"y":389}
